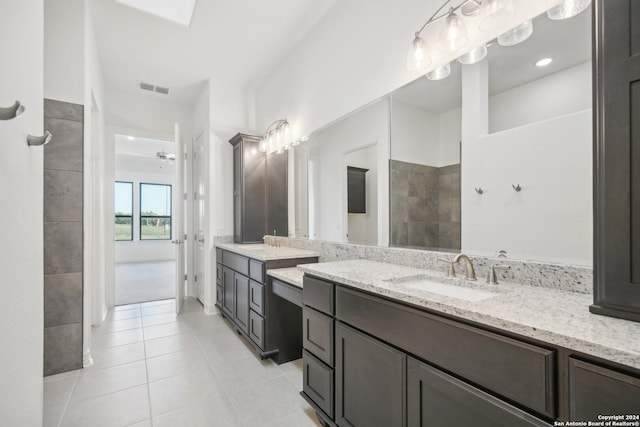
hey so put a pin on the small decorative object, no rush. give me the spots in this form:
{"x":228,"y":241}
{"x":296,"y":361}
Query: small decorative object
{"x":517,"y":187}
{"x":479,"y":190}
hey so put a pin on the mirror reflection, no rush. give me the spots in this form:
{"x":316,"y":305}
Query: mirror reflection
{"x":507,"y":169}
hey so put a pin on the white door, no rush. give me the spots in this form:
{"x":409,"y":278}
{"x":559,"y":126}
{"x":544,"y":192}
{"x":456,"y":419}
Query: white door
{"x":198,"y":215}
{"x":178,"y":223}
{"x":21,"y":214}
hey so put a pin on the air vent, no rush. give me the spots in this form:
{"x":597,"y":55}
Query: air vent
{"x":153,"y":88}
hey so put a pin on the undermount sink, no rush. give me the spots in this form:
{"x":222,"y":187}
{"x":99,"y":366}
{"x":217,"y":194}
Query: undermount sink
{"x":425,"y":283}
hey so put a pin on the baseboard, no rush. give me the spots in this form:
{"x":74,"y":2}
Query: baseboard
{"x":210,"y":310}
{"x":87,"y":360}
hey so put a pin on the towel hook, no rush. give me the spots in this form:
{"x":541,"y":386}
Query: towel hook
{"x":517,"y":187}
{"x":479,"y":190}
{"x":34,"y":141}
{"x":8,"y":113}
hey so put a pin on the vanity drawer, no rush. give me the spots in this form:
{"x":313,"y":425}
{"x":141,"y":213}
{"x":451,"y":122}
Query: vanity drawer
{"x":487,"y":359}
{"x":236,"y":262}
{"x":256,"y":270}
{"x":317,"y":334}
{"x":256,"y":297}
{"x":317,"y":382}
{"x":256,"y":328}
{"x":318,"y":294}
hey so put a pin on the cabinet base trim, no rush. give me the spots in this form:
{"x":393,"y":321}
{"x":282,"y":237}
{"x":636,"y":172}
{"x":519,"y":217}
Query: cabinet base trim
{"x":319,"y":412}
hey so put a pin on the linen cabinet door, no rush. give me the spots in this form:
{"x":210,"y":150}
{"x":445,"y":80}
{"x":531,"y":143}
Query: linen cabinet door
{"x":370,"y":381}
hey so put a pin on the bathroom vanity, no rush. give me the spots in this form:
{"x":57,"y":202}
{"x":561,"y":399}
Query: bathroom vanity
{"x":271,"y":324}
{"x":381,"y":350}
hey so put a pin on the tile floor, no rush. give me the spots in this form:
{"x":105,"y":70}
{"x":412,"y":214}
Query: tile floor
{"x":145,"y":281}
{"x":153,"y":368}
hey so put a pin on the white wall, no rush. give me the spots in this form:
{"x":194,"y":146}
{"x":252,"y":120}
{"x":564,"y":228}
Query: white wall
{"x":145,"y":171}
{"x":337,"y":68}
{"x":557,"y":94}
{"x":327,"y":171}
{"x":419,"y":136}
{"x":551,"y":218}
{"x":363,"y":227}
{"x":21,"y":211}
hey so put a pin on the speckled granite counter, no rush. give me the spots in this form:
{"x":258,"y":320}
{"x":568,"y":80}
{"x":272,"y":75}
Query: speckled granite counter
{"x":264,"y":252}
{"x":291,"y":275}
{"x":554,"y":316}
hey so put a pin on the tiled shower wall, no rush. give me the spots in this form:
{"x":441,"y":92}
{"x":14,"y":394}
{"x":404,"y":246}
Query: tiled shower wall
{"x":63,"y":164}
{"x":425,"y":206}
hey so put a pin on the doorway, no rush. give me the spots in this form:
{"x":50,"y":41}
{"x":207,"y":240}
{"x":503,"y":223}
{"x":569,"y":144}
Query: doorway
{"x":145,"y":259}
{"x":361,"y":221}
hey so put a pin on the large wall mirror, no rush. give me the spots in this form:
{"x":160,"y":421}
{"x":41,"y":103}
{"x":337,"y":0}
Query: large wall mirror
{"x":497,"y":156}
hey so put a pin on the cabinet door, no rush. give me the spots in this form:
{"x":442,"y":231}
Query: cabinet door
{"x":594,"y":390}
{"x":437,"y":399}
{"x":241,"y":295}
{"x":227,"y":291}
{"x":370,"y":381}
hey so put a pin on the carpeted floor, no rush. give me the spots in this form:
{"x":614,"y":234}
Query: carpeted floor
{"x":145,"y":281}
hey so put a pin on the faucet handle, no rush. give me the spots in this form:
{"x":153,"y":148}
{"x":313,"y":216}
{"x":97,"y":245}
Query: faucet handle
{"x":451,"y":271}
{"x":492,"y":279}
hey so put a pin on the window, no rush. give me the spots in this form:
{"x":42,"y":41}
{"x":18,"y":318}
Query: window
{"x":155,"y":212}
{"x":124,"y":210}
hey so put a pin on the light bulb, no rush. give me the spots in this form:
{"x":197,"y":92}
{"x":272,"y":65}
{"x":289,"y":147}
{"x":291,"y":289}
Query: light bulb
{"x":476,"y":54}
{"x":454,"y":34}
{"x":517,"y":34}
{"x":568,"y":9}
{"x":440,"y":72}
{"x":262,"y":146}
{"x":418,"y":56}
{"x":544,"y":62}
{"x":495,"y":13}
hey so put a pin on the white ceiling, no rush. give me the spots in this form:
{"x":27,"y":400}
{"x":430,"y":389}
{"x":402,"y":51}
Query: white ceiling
{"x":234,"y":41}
{"x":568,"y":42}
{"x":139,"y":154}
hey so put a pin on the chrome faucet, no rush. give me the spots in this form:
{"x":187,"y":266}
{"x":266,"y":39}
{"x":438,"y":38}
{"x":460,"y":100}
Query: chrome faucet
{"x":469,"y":273}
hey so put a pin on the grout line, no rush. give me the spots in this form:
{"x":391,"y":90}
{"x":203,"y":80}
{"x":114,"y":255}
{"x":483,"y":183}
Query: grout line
{"x":66,"y":406}
{"x":146,"y":369}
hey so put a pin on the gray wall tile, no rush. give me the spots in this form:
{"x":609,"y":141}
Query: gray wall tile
{"x":62,"y":195}
{"x":64,"y":152}
{"x":63,"y":299}
{"x":62,"y":348}
{"x":62,"y":247}
{"x":63,"y":110}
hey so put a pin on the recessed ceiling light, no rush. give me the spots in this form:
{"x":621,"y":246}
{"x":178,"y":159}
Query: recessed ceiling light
{"x":130,"y":138}
{"x":544,"y":62}
{"x":178,"y":11}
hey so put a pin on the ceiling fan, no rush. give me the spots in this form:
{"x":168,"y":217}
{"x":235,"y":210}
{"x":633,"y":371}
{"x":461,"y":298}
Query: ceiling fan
{"x":163,"y":155}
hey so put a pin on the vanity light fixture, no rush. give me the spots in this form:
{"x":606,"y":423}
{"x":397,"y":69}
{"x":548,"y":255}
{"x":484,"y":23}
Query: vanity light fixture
{"x":277,"y":138}
{"x":440,"y":73}
{"x":495,"y":13}
{"x":517,"y":34}
{"x":544,"y":62}
{"x":476,"y":54}
{"x":454,"y":34}
{"x":568,"y":9}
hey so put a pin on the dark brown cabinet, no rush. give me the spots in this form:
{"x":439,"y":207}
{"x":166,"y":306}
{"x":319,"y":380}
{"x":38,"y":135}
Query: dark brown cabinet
{"x":370,"y":381}
{"x":272,"y":325}
{"x":595,"y":390}
{"x":616,"y":105}
{"x":259,"y":191}
{"x":436,"y":399}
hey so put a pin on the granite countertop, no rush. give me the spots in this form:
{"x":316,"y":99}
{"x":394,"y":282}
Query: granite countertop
{"x":554,"y":316}
{"x":291,"y":275}
{"x":263,"y":252}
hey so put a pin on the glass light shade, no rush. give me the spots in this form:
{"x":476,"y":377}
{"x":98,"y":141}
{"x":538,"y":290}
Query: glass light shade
{"x":495,"y":13}
{"x":454,"y":34}
{"x":516,"y":35}
{"x":440,"y":72}
{"x":568,"y":9}
{"x":474,"y":55}
{"x":262,"y":146}
{"x":418,"y":56}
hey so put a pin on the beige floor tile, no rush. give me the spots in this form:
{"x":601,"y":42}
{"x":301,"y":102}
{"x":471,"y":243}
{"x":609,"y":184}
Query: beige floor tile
{"x":190,"y":360}
{"x":126,"y":307}
{"x":97,"y":382}
{"x":57,"y":391}
{"x":171,"y":301}
{"x":239,"y":374}
{"x":219,"y":413}
{"x":122,"y":408}
{"x":145,"y":423}
{"x":293,"y":371}
{"x":183,"y":390}
{"x":165,"y":330}
{"x":119,"y":355}
{"x":165,"y":345}
{"x":159,"y":319}
{"x":116,"y":338}
{"x":306,"y":418}
{"x":122,"y":314}
{"x":119,"y":325}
